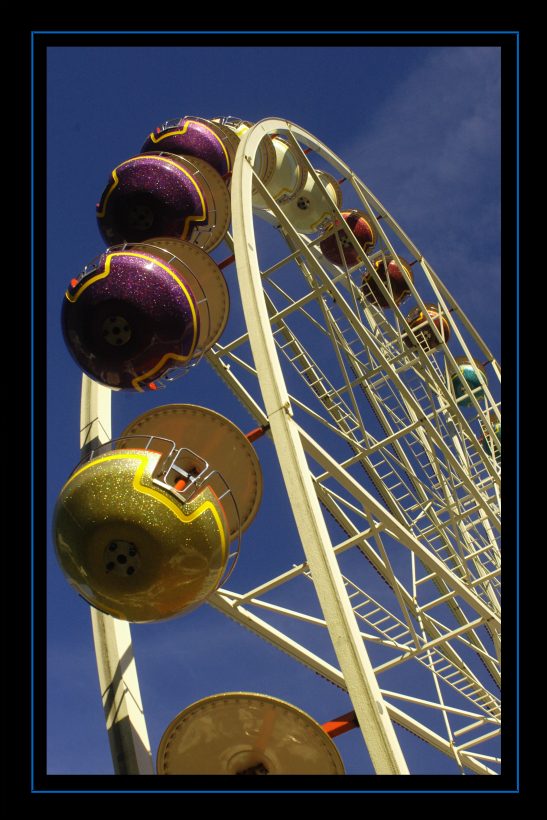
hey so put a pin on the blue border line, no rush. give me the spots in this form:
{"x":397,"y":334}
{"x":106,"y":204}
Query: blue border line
{"x":274,"y":31}
{"x":267,"y":791}
{"x":274,"y":791}
{"x":31,"y":409}
{"x":517,"y":421}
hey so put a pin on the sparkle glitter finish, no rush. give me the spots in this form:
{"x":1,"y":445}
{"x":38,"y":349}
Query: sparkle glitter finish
{"x":192,"y":138}
{"x":220,"y":443}
{"x":217,"y":203}
{"x":246,"y":733}
{"x":362,"y":231}
{"x":150,"y":195}
{"x":130,"y":320}
{"x":180,"y":548}
{"x":228,"y":136}
{"x":205,"y":279}
{"x":399,"y":287}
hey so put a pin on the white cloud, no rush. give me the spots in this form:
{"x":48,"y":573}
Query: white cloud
{"x":431,"y":153}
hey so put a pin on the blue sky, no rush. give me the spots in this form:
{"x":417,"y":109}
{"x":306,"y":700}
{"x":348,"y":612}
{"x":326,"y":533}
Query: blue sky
{"x":421,"y":127}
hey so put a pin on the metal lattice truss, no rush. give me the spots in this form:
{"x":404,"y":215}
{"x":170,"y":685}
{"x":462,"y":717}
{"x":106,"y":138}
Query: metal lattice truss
{"x":402,"y":480}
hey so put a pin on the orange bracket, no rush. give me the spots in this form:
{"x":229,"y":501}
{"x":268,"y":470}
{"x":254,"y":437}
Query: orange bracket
{"x":258,"y":432}
{"x":341,"y":724}
{"x":226,"y":262}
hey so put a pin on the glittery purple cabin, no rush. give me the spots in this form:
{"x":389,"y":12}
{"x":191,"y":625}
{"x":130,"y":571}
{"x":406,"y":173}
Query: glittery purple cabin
{"x":192,"y":138}
{"x":148,"y":196}
{"x":129,"y":320}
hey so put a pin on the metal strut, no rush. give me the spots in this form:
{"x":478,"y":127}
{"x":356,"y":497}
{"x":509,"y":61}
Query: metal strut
{"x":124,"y":714}
{"x":374,"y":721}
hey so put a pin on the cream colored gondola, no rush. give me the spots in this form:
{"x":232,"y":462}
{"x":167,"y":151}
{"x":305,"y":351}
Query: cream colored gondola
{"x":246,"y":734}
{"x":289,"y":175}
{"x":266,"y":158}
{"x":311,"y":210}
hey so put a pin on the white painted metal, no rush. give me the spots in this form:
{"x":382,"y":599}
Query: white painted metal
{"x":382,"y":743}
{"x":224,"y":603}
{"x":440,"y":491}
{"x":116,"y":666}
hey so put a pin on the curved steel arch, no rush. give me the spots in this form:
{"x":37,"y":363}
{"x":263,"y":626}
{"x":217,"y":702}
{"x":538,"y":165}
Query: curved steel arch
{"x":470,"y":597}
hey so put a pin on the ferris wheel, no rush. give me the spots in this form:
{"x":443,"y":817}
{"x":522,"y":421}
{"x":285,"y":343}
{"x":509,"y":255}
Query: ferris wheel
{"x":382,"y":402}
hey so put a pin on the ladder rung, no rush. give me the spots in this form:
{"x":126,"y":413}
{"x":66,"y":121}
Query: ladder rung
{"x":381,"y":621}
{"x":389,"y":628}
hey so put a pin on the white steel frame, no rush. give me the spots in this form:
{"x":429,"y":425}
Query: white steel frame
{"x":439,"y":490}
{"x":122,"y":705}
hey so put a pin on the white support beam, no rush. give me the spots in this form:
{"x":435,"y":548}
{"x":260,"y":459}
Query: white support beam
{"x":380,"y":737}
{"x":360,"y":331}
{"x":222,"y":602}
{"x":399,"y":532}
{"x":125,"y":723}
